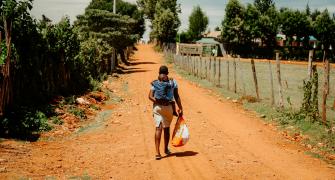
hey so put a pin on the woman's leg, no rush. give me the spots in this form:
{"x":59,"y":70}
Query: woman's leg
{"x":158,"y":135}
{"x":166,"y":139}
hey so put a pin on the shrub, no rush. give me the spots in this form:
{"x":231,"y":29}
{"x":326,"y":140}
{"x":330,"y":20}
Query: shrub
{"x":77,"y":112}
{"x":25,"y":122}
{"x":56,"y":120}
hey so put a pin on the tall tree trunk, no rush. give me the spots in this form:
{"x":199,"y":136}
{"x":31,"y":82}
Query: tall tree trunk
{"x":115,"y":58}
{"x":123,"y":57}
{"x":6,"y":88}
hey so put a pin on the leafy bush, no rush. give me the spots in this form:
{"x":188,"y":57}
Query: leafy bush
{"x":25,"y":122}
{"x":95,"y":85}
{"x":70,"y":100}
{"x":56,"y":120}
{"x":77,"y":112}
{"x":95,"y":107}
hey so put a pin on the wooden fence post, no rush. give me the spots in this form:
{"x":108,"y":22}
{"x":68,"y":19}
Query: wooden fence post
{"x":255,"y":77}
{"x":197,"y":66}
{"x":271,"y":81}
{"x":219,"y":76}
{"x":241,"y":74}
{"x":200,"y":68}
{"x":186,"y":62}
{"x":281,"y":98}
{"x":192,"y":65}
{"x":310,"y":59}
{"x":214,"y":79}
{"x":227,"y":74}
{"x":189,"y":64}
{"x":205,"y":60}
{"x":210,"y":69}
{"x":325,"y":91}
{"x":234,"y":64}
{"x":183,"y":62}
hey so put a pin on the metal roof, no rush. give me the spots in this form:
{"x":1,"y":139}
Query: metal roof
{"x":207,"y":41}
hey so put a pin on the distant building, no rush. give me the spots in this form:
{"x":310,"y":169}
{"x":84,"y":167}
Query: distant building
{"x":282,"y":40}
{"x":214,"y":34}
{"x":211,"y":47}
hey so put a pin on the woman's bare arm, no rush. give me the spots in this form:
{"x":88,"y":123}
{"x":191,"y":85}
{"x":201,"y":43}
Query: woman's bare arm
{"x":178,"y":100}
{"x":151,"y":96}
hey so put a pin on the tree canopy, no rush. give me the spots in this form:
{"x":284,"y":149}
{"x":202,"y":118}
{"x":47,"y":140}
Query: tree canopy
{"x":163,"y":15}
{"x":257,"y":26}
{"x":264,"y":5}
{"x":198,"y":22}
{"x":232,"y":25}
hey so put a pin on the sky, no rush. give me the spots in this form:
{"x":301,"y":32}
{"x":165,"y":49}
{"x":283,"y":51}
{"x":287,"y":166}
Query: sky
{"x":214,"y":9}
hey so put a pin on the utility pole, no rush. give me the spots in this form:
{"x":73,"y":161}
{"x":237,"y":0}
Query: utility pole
{"x":114,"y":7}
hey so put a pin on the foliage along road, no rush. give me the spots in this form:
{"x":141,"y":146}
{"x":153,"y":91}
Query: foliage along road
{"x":226,"y":141}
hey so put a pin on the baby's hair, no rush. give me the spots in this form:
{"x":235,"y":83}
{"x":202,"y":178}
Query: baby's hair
{"x":163,"y":77}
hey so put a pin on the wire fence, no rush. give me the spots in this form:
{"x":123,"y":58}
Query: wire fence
{"x":273,"y":82}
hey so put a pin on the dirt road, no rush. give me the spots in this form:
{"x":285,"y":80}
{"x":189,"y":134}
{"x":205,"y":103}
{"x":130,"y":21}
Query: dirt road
{"x":226,"y":142}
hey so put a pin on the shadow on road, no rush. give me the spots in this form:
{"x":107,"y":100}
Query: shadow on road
{"x":184,"y":154}
{"x":119,"y":71}
{"x":139,"y":63}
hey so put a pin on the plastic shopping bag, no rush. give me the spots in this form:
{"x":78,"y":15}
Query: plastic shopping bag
{"x":180,"y":134}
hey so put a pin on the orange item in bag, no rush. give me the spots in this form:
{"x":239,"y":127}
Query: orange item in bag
{"x":180,"y":134}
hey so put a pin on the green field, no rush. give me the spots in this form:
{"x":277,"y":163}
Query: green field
{"x":292,"y":76}
{"x":287,"y":119}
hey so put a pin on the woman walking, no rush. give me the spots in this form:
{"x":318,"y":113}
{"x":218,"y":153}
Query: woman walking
{"x":164,"y":94}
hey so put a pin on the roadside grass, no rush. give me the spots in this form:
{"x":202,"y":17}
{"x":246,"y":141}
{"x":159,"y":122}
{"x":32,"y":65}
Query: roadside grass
{"x":125,"y":87}
{"x":97,"y":123}
{"x":85,"y":176}
{"x":319,"y":139}
{"x":292,"y":76}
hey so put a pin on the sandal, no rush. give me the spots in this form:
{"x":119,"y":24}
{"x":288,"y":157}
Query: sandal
{"x":158,"y":157}
{"x":168,"y":152}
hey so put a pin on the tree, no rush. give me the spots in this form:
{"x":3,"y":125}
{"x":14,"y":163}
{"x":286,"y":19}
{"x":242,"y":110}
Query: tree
{"x":264,"y":5}
{"x":308,"y":10}
{"x":252,"y":21}
{"x":324,"y":27}
{"x":270,"y":22}
{"x":124,"y":28}
{"x":184,"y":37}
{"x":232,"y":25}
{"x":295,"y":23}
{"x":198,"y":23}
{"x":149,"y":8}
{"x":164,"y":27}
{"x":114,"y":29}
{"x":123,"y":8}
{"x":11,"y":10}
{"x":315,"y":14}
{"x":166,"y":21}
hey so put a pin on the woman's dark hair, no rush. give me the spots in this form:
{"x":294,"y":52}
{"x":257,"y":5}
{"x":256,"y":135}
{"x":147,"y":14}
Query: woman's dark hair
{"x":164,"y":70}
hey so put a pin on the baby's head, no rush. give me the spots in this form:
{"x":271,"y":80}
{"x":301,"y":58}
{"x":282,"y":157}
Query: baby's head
{"x":163,"y":73}
{"x":163,"y":77}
